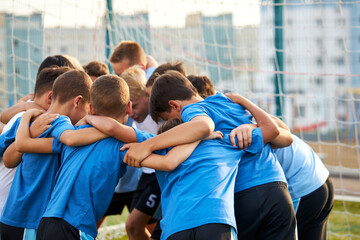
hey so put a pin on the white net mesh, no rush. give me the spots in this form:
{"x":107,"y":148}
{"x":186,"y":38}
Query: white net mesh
{"x":301,"y":64}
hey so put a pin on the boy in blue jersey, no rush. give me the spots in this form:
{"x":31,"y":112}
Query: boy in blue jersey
{"x":35,"y":175}
{"x":205,"y":184}
{"x":89,"y":174}
{"x":309,"y":183}
{"x":171,"y":98}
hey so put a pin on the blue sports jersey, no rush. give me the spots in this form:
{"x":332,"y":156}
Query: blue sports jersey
{"x":201,"y":190}
{"x":253,"y":169}
{"x":149,"y":72}
{"x":34,"y":180}
{"x":303,"y":169}
{"x":86,"y":182}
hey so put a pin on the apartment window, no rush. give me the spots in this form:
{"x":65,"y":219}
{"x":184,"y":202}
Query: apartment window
{"x":63,"y":49}
{"x":319,"y":82}
{"x":318,"y":22}
{"x":341,"y":81}
{"x":319,"y":61}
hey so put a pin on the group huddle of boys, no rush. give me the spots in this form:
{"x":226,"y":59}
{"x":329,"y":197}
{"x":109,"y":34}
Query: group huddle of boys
{"x":227,"y":170}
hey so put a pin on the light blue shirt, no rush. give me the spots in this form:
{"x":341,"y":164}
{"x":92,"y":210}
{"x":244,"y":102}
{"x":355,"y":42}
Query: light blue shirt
{"x":303,"y":169}
{"x":34,"y":179}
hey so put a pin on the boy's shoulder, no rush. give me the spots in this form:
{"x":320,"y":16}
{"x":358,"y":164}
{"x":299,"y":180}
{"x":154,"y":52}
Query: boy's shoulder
{"x":58,"y":126}
{"x":142,"y":136}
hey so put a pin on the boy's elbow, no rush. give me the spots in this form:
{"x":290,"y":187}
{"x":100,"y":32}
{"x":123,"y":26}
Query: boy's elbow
{"x":20,"y":146}
{"x":207,"y":129}
{"x":70,"y":142}
{"x":274,"y":130}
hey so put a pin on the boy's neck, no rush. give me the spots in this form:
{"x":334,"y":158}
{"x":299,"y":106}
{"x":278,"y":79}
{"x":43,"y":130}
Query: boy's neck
{"x":193,"y":99}
{"x":41,"y":101}
{"x":59,"y":108}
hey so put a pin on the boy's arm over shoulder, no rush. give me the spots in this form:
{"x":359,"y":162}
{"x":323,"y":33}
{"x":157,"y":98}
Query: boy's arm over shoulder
{"x":285,"y":137}
{"x":266,"y":124}
{"x":113,"y":128}
{"x":172,"y":159}
{"x":24,"y":142}
{"x":7,"y":114}
{"x":198,"y":128}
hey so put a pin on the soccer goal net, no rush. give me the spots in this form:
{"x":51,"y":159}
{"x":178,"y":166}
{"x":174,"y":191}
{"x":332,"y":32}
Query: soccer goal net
{"x":296,"y":59}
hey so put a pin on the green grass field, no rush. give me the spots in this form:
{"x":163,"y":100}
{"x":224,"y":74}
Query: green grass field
{"x":344,"y":222}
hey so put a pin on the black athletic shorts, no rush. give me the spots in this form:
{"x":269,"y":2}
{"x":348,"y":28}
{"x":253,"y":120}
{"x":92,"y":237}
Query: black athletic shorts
{"x":8,"y":232}
{"x":313,"y":212}
{"x":265,"y":212}
{"x":148,"y":194}
{"x":56,"y":228}
{"x":213,"y":231}
{"x":119,"y":201}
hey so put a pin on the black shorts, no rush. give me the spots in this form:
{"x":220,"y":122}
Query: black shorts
{"x":56,"y":228}
{"x":148,"y":194}
{"x":313,"y":212}
{"x":265,"y":212}
{"x":8,"y":232}
{"x":213,"y":231}
{"x":119,"y":201}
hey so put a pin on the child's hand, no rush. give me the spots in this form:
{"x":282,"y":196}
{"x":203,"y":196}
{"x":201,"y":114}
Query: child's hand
{"x":41,"y":124}
{"x":33,"y":112}
{"x":215,"y":135}
{"x":132,"y":157}
{"x":25,"y":98}
{"x":243,"y":134}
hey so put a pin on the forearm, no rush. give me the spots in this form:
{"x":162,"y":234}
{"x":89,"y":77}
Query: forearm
{"x":172,"y":159}
{"x":266,"y":124}
{"x":81,"y":137}
{"x":12,"y":157}
{"x":7,"y":114}
{"x":280,"y":123}
{"x":188,"y":132}
{"x":284,"y":139}
{"x":25,"y":144}
{"x":112,"y":128}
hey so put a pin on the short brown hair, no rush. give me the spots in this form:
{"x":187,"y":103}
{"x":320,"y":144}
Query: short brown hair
{"x":128,"y":50}
{"x":110,"y":96}
{"x":135,"y":78}
{"x":203,"y":85}
{"x":96,"y":68}
{"x":170,"y":86}
{"x":161,"y":69}
{"x":46,"y":78}
{"x":169,"y":124}
{"x":70,"y":85}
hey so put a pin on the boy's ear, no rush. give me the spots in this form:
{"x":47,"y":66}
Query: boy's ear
{"x":129,"y":108}
{"x":77,"y":100}
{"x":92,"y":112}
{"x":175,"y":105}
{"x":48,"y":98}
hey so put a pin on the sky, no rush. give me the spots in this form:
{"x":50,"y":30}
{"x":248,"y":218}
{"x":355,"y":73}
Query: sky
{"x":162,"y":13}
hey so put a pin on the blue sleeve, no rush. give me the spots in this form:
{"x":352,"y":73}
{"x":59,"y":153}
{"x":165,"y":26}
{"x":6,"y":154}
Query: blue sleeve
{"x":8,"y":137}
{"x":57,"y":146}
{"x":257,"y":142}
{"x":142,"y":136}
{"x":60,"y":125}
{"x":149,"y":72}
{"x":191,"y":111}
